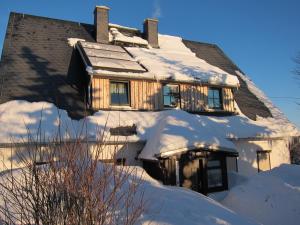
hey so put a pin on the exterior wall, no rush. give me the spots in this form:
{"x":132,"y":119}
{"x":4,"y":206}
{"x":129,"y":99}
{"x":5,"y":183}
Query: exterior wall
{"x":100,"y":93}
{"x":247,"y":160}
{"x":129,"y":151}
{"x":147,"y":95}
{"x":194,"y":98}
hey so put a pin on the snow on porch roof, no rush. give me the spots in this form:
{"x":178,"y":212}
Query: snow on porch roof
{"x":108,"y":57}
{"x":178,"y":131}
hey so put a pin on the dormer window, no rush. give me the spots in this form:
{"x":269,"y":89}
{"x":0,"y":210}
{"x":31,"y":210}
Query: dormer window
{"x":215,"y":98}
{"x":119,"y":93}
{"x":171,"y":95}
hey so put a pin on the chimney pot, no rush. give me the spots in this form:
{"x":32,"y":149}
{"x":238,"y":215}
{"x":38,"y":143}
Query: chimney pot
{"x":151,"y":32}
{"x":101,"y":20}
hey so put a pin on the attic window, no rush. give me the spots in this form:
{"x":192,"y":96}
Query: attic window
{"x":119,"y":93}
{"x":215,"y":98}
{"x":171,"y":95}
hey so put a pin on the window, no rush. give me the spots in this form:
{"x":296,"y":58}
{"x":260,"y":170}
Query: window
{"x":263,"y":161}
{"x":119,"y":93}
{"x":171,"y":95}
{"x":214,"y":98}
{"x":214,"y":174}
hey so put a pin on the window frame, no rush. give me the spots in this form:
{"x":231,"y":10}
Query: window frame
{"x":258,"y":153}
{"x":178,"y":98}
{"x":220,"y":90}
{"x":128,"y":92}
{"x":223,"y":167}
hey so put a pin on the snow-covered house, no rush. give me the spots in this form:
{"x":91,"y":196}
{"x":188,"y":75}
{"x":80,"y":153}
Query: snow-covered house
{"x":181,"y":109}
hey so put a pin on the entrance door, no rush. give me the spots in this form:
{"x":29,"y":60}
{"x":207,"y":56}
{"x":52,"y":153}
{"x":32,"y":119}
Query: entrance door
{"x":191,"y":173}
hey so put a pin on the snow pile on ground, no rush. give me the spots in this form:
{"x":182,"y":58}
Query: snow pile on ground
{"x":177,"y":206}
{"x":271,"y":198}
{"x":174,"y":61}
{"x":164,"y":131}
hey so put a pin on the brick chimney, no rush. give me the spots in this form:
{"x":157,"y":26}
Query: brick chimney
{"x":151,"y":32}
{"x":101,"y":20}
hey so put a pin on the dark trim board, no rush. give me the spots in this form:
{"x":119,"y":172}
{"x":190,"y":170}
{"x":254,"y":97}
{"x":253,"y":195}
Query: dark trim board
{"x":204,"y":173}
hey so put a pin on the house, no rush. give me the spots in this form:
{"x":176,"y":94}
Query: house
{"x":182,"y":109}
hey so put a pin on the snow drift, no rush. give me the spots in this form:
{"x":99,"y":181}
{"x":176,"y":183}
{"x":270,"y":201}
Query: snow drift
{"x":271,"y":198}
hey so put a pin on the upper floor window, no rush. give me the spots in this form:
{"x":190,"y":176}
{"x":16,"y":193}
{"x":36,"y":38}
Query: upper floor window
{"x":119,"y":93}
{"x":171,"y":95}
{"x":215,"y":98}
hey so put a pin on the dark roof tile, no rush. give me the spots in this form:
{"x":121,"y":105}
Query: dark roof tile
{"x":248,"y":103}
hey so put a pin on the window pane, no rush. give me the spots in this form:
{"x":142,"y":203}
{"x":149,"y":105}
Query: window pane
{"x":167,"y":100}
{"x":212,"y":163}
{"x":214,"y":98}
{"x":217,"y":103}
{"x":166,"y":90}
{"x":214,"y":177}
{"x":211,"y":103}
{"x":210,"y":93}
{"x":119,"y":93}
{"x":171,"y":95}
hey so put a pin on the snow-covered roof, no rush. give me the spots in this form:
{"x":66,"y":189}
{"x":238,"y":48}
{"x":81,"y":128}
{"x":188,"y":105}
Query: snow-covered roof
{"x":119,"y":37}
{"x":172,"y":61}
{"x":166,"y":132}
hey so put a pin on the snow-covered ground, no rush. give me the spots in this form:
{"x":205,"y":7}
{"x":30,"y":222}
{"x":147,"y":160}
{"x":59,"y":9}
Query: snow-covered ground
{"x":270,"y":198}
{"x":179,"y":206}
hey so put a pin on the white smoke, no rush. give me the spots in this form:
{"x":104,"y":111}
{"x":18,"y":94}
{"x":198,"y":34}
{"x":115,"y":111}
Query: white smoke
{"x":157,"y":13}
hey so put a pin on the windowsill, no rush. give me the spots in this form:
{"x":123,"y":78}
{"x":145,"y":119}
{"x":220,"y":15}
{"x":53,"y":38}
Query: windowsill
{"x":121,"y":107}
{"x":214,"y":110}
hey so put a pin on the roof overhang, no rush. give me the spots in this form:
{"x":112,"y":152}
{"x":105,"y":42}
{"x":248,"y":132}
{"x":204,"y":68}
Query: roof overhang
{"x":202,"y":147}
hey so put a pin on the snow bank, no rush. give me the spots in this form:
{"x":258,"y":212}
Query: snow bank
{"x":177,"y":206}
{"x":164,"y":131}
{"x":173,"y":60}
{"x":271,"y":198}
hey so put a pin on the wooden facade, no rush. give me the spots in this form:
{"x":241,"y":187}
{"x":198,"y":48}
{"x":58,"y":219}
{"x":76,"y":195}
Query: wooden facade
{"x":147,"y":95}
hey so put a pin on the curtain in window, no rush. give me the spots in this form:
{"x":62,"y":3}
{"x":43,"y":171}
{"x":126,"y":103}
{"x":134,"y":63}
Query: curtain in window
{"x":119,"y":93}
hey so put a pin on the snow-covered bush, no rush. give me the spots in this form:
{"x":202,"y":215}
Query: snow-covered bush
{"x":64,"y":182}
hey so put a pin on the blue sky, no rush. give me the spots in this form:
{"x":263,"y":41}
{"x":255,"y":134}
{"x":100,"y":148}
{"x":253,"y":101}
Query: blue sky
{"x":260,"y":36}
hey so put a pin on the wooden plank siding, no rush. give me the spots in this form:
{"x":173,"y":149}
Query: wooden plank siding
{"x":228,"y":102}
{"x":193,"y":97}
{"x":147,"y":95}
{"x":100,"y":98}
